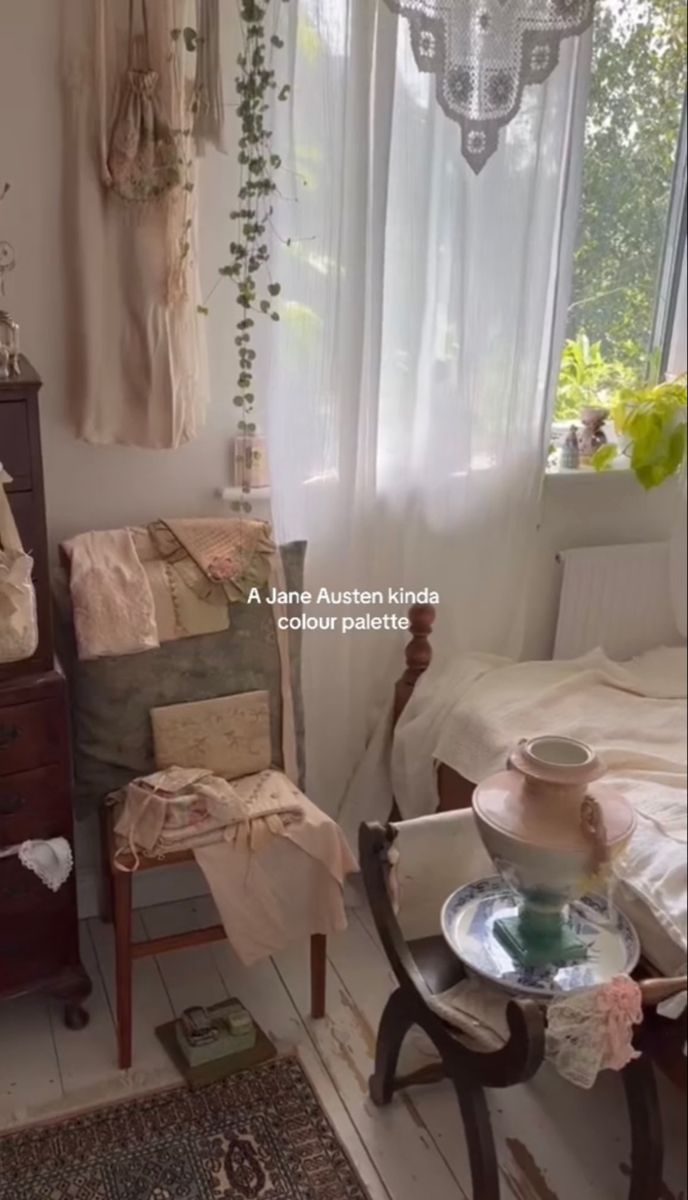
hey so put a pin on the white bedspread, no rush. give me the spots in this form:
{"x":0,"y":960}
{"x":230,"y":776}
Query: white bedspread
{"x":634,"y":714}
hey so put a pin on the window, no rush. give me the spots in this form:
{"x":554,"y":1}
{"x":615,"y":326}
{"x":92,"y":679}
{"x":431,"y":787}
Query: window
{"x":632,"y":228}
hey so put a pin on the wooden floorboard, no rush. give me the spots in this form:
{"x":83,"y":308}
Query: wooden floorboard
{"x":261,"y":989}
{"x":403,"y":1152}
{"x":555,"y":1142}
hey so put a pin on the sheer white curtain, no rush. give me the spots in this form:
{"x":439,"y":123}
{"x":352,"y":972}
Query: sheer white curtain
{"x":409,"y":383}
{"x":678,"y":365}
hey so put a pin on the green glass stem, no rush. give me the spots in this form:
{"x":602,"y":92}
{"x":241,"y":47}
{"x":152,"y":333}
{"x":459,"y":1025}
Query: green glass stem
{"x":540,"y":937}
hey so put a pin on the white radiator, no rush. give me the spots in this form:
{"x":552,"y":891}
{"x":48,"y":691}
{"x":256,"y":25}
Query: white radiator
{"x":616,"y":597}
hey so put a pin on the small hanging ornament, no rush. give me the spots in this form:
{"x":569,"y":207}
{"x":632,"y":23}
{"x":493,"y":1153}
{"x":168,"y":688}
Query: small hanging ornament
{"x":143,"y":157}
{"x":9,"y":346}
{"x":7,"y":263}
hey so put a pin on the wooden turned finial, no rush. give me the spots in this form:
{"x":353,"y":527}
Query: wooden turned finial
{"x":418,"y":654}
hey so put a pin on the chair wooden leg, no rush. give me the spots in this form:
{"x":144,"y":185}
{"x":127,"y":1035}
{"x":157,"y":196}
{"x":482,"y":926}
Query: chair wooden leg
{"x":123,"y":964}
{"x":480,"y":1140}
{"x":318,"y":976}
{"x":395,"y":1024}
{"x":647,"y":1138}
{"x":106,"y":898}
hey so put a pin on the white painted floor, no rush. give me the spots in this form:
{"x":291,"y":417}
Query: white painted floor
{"x":555,"y":1142}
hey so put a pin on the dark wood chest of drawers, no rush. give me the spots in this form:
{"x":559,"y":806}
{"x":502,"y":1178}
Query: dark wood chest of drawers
{"x":39,"y":940}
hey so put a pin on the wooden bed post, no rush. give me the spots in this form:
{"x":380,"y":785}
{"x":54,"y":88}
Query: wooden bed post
{"x":418,"y":655}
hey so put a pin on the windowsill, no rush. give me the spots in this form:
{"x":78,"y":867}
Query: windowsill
{"x":621,"y":470}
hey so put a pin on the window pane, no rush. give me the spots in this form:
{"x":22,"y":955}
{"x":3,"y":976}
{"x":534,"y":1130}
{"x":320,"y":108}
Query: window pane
{"x":634,"y":119}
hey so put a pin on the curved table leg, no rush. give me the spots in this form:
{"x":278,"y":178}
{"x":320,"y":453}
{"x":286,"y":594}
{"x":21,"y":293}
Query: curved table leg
{"x":394,"y":1026}
{"x":647,"y":1140}
{"x":482,"y":1152}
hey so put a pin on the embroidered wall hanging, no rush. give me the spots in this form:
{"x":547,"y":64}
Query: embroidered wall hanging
{"x":484,"y":52}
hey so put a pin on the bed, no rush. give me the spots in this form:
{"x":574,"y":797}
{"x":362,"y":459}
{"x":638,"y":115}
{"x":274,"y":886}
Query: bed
{"x":454,"y":725}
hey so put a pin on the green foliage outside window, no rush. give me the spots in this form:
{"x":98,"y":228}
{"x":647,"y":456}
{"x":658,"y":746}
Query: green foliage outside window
{"x":634,"y":116}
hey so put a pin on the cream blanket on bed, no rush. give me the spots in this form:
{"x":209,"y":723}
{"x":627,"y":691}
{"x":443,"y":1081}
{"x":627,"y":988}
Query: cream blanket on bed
{"x":634,"y":714}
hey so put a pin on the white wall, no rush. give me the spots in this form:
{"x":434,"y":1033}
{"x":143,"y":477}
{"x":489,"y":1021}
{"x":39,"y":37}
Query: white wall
{"x":87,"y":486}
{"x":588,"y":510}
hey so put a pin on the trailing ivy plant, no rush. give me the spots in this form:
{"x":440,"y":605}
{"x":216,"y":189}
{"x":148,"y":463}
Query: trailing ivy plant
{"x":256,"y":85}
{"x":256,"y":292}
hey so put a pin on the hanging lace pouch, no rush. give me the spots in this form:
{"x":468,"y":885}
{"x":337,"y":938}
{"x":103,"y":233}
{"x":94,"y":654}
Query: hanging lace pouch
{"x":143,"y":156}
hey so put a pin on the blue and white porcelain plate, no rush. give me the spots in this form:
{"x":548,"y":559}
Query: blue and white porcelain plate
{"x":468,"y":919}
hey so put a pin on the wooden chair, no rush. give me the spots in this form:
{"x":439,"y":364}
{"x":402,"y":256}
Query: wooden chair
{"x":425,"y":967}
{"x":116,"y":906}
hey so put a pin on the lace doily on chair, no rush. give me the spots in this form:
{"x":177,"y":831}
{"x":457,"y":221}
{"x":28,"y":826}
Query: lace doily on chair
{"x":484,"y":52}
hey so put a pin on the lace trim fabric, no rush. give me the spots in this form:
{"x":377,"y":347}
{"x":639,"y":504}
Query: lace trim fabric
{"x":484,"y":53}
{"x":592,"y":1031}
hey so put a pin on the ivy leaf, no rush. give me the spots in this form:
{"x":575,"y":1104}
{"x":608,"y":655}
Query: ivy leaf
{"x":202,"y":310}
{"x":190,"y":39}
{"x":285,"y":92}
{"x":275,"y":289}
{"x":604,"y":457}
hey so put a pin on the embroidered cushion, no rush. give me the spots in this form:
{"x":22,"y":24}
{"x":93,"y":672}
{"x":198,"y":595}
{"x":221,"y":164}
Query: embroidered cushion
{"x":229,"y":736}
{"x":112,"y":698}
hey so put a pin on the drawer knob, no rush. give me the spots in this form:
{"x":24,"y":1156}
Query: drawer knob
{"x":10,"y":803}
{"x":8,"y":735}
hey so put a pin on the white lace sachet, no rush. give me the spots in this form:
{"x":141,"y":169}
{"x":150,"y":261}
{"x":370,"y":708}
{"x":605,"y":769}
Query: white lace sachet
{"x":51,"y":861}
{"x":592,"y":1031}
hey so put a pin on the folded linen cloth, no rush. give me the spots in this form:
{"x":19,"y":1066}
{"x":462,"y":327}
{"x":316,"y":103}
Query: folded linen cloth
{"x":284,"y":890}
{"x":588,"y":1031}
{"x":216,"y":555}
{"x":179,"y":611}
{"x":183,"y":807}
{"x":112,"y":600}
{"x":275,"y":864}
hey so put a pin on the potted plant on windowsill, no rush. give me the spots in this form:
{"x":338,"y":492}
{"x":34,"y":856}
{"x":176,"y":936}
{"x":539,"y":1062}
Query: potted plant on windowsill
{"x":651,"y":426}
{"x":587,"y":385}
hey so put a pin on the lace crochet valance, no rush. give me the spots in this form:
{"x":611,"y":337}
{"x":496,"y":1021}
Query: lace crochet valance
{"x":484,"y":52}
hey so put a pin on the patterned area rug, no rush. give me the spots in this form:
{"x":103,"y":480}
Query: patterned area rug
{"x":261,"y":1135}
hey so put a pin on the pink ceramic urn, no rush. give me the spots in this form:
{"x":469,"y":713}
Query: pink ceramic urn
{"x":552,"y":830}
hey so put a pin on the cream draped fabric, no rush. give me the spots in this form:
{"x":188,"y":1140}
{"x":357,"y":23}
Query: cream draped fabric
{"x":411,"y":376}
{"x":136,"y":351}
